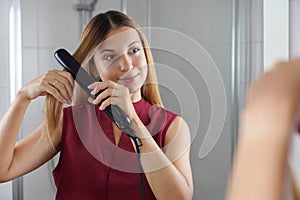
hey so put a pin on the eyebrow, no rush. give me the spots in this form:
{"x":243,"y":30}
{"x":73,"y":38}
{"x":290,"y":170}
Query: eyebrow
{"x":111,"y":50}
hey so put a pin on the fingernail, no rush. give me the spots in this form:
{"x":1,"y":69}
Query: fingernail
{"x":90,"y":86}
{"x":93,"y":92}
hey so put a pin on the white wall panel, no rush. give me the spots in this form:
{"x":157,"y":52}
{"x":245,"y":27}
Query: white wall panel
{"x":29,"y":20}
{"x":4,"y":52}
{"x":5,"y":188}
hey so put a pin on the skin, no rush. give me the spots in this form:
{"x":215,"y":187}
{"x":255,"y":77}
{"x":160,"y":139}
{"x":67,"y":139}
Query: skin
{"x":269,"y":119}
{"x":122,"y":79}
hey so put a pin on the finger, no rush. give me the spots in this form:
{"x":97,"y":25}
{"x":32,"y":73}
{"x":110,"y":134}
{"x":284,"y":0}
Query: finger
{"x":67,"y":80}
{"x":103,"y":85}
{"x":105,"y":94}
{"x":96,"y":87}
{"x":53,"y":76}
{"x":100,"y":88}
{"x":54,"y":92}
{"x":106,"y":103}
{"x":96,"y":84}
{"x":60,"y":87}
{"x":90,"y":100}
{"x":101,"y":97}
{"x":93,"y":85}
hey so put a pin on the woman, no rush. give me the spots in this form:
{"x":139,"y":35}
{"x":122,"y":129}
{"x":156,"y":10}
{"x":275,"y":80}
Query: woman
{"x":270,"y":117}
{"x":113,"y":49}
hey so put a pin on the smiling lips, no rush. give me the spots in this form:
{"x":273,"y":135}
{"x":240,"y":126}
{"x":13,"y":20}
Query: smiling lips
{"x":128,"y":79}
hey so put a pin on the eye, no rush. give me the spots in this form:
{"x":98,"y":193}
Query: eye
{"x":109,"y":57}
{"x":134,"y":50}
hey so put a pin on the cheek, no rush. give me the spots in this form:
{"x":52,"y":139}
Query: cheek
{"x":106,"y":73}
{"x":140,"y":61}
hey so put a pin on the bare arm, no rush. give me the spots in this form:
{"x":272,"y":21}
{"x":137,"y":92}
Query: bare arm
{"x":168,"y":173}
{"x":17,"y":159}
{"x":268,"y":121}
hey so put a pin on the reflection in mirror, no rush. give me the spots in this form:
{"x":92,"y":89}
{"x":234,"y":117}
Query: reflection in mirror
{"x":197,"y":57}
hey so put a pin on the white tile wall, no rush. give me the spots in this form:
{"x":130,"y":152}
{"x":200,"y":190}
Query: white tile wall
{"x":103,"y":6}
{"x":138,"y":10}
{"x":221,"y":20}
{"x":207,"y":22}
{"x":30,"y":64}
{"x":33,"y":117}
{"x":58,"y":24}
{"x":4,"y":14}
{"x":294,"y":157}
{"x":4,"y":100}
{"x":221,"y":55}
{"x":295,"y":53}
{"x":47,"y":61}
{"x":294,"y":29}
{"x":256,"y":21}
{"x":211,"y":182}
{"x":29,"y":20}
{"x":5,"y":188}
{"x":4,"y":52}
{"x":161,"y":17}
{"x":38,"y":184}
{"x":256,"y":65}
{"x":197,"y":23}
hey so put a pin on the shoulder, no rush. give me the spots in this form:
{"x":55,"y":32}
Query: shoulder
{"x":178,"y":129}
{"x":178,"y":122}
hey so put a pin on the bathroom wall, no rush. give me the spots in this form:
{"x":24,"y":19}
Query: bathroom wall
{"x":51,"y":24}
{"x":209,"y":24}
{"x":5,"y":188}
{"x":294,"y":52}
{"x":294,"y":27}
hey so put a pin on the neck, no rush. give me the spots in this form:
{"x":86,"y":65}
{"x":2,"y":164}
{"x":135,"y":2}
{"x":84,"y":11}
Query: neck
{"x":136,"y":96}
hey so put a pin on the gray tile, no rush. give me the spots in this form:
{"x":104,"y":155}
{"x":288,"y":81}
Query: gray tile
{"x":30,"y":64}
{"x":4,"y":63}
{"x":4,"y":19}
{"x":30,"y":17}
{"x":4,"y":100}
{"x":294,"y":29}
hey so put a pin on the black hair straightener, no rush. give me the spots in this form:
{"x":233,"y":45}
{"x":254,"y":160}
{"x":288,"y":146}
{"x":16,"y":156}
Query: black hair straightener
{"x":114,"y":112}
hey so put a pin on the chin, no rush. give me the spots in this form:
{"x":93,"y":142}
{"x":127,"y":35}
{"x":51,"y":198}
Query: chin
{"x":134,"y":88}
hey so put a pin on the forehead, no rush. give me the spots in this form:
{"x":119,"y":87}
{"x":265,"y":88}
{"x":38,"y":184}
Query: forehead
{"x":119,"y":37}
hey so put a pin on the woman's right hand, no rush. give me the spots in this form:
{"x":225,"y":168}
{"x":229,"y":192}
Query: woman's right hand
{"x":57,"y":83}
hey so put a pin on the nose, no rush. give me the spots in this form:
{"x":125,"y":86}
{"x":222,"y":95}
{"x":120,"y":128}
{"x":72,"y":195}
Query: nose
{"x":125,"y":63}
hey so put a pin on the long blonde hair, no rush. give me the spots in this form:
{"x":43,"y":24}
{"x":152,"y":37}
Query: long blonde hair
{"x":94,"y":33}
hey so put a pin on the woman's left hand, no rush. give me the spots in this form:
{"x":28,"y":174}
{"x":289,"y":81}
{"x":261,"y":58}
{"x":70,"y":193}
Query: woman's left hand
{"x":112,"y":94}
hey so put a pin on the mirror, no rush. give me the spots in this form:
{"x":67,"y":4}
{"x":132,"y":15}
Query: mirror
{"x":199,"y":49}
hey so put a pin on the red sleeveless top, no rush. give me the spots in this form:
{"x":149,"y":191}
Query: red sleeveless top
{"x":91,"y":166}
